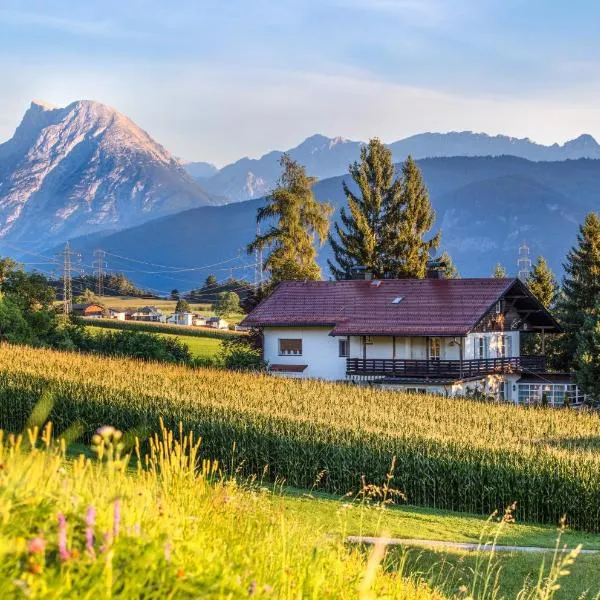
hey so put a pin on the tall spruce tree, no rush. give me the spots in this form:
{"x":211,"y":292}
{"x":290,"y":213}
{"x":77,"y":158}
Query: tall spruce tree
{"x":408,"y":222}
{"x":362,"y":236}
{"x":499,"y":271}
{"x":581,"y":286}
{"x":587,"y":356}
{"x":542,"y":284}
{"x":297,"y":222}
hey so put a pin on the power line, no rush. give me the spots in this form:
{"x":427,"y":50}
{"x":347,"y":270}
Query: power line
{"x":68,"y":257}
{"x":100,"y":265}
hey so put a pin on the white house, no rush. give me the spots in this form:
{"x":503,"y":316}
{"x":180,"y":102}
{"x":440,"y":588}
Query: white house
{"x":217,"y":323}
{"x":181,"y":318}
{"x":117,"y":313}
{"x":146,"y":313}
{"x":199,"y":320}
{"x":453,"y":337}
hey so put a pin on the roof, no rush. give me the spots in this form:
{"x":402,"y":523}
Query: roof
{"x":403,"y":307}
{"x":84,"y":305}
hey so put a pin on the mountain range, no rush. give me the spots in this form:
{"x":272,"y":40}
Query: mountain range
{"x":326,"y":157}
{"x":74,"y":170}
{"x":88,"y":174}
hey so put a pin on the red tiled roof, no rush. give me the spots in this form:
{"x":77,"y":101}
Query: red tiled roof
{"x":428,"y":306}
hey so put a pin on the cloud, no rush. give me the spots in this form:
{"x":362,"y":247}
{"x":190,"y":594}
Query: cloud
{"x":95,"y":28}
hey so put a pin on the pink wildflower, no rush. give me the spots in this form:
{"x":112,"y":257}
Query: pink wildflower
{"x":37,"y":545}
{"x":116,"y":518}
{"x":90,"y":520}
{"x":63,"y":552}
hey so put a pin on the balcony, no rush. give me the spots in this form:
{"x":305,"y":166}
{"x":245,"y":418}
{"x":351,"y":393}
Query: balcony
{"x":443,"y":369}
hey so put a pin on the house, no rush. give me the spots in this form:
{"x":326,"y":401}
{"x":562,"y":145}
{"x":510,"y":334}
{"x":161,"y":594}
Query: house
{"x":181,"y":318}
{"x":146,"y":313}
{"x":89,"y":310}
{"x":452,"y":337}
{"x":217,"y":323}
{"x":117,"y":313}
{"x":199,"y":321}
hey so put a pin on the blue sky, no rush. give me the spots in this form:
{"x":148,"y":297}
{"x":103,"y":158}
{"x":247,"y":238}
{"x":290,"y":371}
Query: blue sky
{"x":218,"y":80}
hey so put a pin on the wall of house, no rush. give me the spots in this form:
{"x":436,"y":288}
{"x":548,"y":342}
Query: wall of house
{"x":320,"y":351}
{"x":472,"y":341}
{"x":414,"y":348}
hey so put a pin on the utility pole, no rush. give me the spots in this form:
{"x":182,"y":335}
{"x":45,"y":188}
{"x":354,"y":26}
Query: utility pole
{"x":100,"y":265}
{"x":67,"y":283}
{"x":524,"y":263}
{"x":258,"y":263}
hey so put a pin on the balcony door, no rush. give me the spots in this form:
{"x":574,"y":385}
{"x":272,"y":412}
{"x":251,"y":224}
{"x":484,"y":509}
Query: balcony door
{"x":434,"y":348}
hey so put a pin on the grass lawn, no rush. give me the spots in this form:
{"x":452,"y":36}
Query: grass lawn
{"x":200,"y":347}
{"x":453,"y":567}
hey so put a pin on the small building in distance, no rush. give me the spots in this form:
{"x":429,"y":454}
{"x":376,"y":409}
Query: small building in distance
{"x":89,"y":310}
{"x":146,"y":313}
{"x":217,"y":323}
{"x":199,"y":321}
{"x":181,"y":318}
{"x":118,"y":314}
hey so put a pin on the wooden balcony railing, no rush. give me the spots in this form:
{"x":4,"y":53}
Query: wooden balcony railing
{"x":446,"y":369}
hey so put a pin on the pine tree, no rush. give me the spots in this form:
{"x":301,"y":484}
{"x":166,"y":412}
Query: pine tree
{"x":542,"y":283}
{"x":298,"y":221}
{"x":362,"y":235}
{"x":408,"y":221}
{"x":587,"y":357}
{"x":499,"y":271}
{"x":581,"y":285}
{"x":449,"y":270}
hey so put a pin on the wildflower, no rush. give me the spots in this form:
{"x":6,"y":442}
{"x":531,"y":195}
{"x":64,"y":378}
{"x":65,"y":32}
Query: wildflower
{"x":168,"y":549}
{"x":90,"y":520}
{"x":252,"y":588}
{"x":63,"y":552}
{"x":180,"y":573}
{"x":105,"y":431}
{"x":37,"y":545}
{"x":267,"y":589}
{"x":116,"y":518}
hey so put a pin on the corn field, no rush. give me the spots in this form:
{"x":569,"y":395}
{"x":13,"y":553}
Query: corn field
{"x":452,"y":454}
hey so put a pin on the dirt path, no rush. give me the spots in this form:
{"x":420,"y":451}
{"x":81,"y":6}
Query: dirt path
{"x":437,"y":544}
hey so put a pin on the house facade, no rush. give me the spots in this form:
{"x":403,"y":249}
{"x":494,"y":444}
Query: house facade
{"x":182,"y":318}
{"x":452,"y":337}
{"x":146,"y":313}
{"x":89,"y":310}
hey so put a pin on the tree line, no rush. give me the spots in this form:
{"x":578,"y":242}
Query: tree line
{"x":386,"y":227}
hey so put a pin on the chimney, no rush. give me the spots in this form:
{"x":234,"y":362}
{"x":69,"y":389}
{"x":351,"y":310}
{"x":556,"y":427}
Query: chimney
{"x":435,"y":269}
{"x":360,"y":273}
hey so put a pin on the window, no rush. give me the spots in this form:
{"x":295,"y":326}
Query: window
{"x":290,"y":347}
{"x":344,"y":348}
{"x":368,"y":340}
{"x":416,"y":390}
{"x":481,"y":347}
{"x":435,"y":345}
{"x":397,"y":300}
{"x":505,"y":346}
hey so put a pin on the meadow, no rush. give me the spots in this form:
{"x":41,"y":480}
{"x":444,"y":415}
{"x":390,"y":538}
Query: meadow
{"x":200,"y":346}
{"x":165,"y":524}
{"x":449,"y":453}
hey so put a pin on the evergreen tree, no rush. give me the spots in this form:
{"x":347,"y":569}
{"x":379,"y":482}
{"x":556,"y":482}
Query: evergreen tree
{"x":175,"y":294}
{"x":499,"y":271}
{"x":449,"y":270}
{"x":407,"y":223}
{"x":542,"y":283}
{"x":581,"y":285}
{"x":363,"y":234}
{"x":587,"y":357}
{"x":228,"y":303}
{"x":298,"y":221}
{"x":182,"y":306}
{"x":210,"y":281}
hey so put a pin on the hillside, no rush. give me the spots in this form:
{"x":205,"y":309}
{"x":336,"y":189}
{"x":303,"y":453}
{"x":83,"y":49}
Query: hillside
{"x":74,"y":170}
{"x":327,"y":157}
{"x":485,"y":207}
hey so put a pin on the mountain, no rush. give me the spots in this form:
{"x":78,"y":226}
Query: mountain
{"x":201,"y":170}
{"x":74,"y":170}
{"x":326,"y":157}
{"x":485,"y":206}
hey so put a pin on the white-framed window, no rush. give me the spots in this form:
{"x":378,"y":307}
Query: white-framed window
{"x":481,"y":347}
{"x":505,"y":346}
{"x":416,"y":390}
{"x":368,"y":340}
{"x":344,"y":348}
{"x":290,"y":347}
{"x":435,"y":347}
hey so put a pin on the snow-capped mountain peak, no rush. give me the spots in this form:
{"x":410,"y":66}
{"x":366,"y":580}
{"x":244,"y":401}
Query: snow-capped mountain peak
{"x":70,"y":170}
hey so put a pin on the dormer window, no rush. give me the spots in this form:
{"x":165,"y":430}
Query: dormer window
{"x":397,"y":300}
{"x":376,"y":283}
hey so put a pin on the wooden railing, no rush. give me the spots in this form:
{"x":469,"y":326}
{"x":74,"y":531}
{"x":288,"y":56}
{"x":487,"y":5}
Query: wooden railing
{"x":452,"y":369}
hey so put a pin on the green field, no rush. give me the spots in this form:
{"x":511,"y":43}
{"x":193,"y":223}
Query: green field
{"x":200,"y":347}
{"x":452,"y":454}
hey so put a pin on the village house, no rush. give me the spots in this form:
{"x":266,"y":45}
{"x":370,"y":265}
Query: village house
{"x":181,"y":318}
{"x":199,"y":321}
{"x":217,"y":323}
{"x":453,"y":337}
{"x":118,"y":314}
{"x":89,"y":310}
{"x":146,"y":313}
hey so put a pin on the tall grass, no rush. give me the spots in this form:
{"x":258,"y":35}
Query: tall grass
{"x":171,"y":527}
{"x":454,"y":454}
